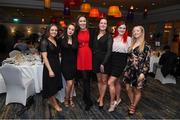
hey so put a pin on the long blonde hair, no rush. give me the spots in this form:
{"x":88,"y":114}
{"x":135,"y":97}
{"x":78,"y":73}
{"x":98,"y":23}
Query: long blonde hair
{"x":142,"y":39}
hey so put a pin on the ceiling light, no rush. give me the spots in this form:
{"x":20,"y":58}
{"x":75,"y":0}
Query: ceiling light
{"x":85,"y":7}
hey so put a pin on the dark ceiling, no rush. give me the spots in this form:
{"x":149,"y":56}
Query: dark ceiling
{"x":34,"y":9}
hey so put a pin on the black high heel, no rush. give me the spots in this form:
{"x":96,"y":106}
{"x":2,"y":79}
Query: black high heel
{"x":101,"y":107}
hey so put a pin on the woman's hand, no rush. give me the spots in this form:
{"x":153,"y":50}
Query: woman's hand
{"x":102,"y":68}
{"x":141,"y":77}
{"x":51,"y":74}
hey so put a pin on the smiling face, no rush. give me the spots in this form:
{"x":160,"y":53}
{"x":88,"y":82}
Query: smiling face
{"x":103,"y":24}
{"x":70,"y":30}
{"x":137,"y":32}
{"x":82,"y":23}
{"x":121,"y":29}
{"x":53,"y":31}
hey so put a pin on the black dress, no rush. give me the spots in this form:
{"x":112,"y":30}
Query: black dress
{"x":51,"y":85}
{"x":101,"y":53}
{"x":68,"y":58}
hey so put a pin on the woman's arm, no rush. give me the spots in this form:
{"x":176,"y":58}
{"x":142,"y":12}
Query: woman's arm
{"x":44,"y":54}
{"x":146,"y":65}
{"x":109,"y":50}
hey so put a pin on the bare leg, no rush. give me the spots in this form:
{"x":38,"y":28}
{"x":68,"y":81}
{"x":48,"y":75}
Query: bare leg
{"x":118,"y":90}
{"x":111,"y":83}
{"x":104,"y":78}
{"x":55,"y":104}
{"x":68,"y":88}
{"x":71,"y":94}
{"x":137,"y":96}
{"x":72,"y":89}
{"x":130,"y":93}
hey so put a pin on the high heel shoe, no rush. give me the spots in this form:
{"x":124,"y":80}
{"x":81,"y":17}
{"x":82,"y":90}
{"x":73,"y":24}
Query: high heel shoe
{"x":112,"y":107}
{"x":131,"y":109}
{"x":100,"y":107}
{"x":66,"y":102}
{"x":71,"y":103}
{"x":55,"y":107}
{"x":118,"y":102}
{"x":97,"y":101}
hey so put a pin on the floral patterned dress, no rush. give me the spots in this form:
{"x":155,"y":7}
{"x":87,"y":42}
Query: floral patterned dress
{"x":138,"y":62}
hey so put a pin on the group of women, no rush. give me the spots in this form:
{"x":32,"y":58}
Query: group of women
{"x":113,"y":58}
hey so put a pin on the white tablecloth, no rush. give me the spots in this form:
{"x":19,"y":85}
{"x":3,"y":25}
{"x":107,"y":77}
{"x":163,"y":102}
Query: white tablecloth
{"x":34,"y":72}
{"x":153,"y":60}
{"x":164,"y":80}
{"x":2,"y":84}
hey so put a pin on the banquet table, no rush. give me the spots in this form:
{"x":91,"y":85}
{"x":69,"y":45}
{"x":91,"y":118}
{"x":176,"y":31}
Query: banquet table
{"x":34,"y":69}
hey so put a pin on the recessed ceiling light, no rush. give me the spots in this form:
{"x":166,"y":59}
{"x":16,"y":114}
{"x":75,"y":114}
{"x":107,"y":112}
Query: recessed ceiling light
{"x":104,"y":3}
{"x":132,"y":7}
{"x":153,"y":3}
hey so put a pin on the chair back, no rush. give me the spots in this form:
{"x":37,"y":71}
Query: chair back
{"x":12,"y":75}
{"x":2,"y":83}
{"x":14,"y":53}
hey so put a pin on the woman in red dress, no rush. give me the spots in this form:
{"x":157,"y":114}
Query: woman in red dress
{"x":84,"y":58}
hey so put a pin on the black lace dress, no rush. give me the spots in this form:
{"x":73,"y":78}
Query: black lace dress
{"x":51,"y":85}
{"x":138,"y":62}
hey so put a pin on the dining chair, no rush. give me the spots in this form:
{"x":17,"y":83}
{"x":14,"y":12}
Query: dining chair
{"x":18,"y":88}
{"x":14,"y":53}
{"x":164,"y":80}
{"x":2,"y":84}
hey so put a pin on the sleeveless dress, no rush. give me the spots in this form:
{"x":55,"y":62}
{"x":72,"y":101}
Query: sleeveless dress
{"x":84,"y":55}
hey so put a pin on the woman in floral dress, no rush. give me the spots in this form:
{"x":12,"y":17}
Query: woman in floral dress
{"x":137,"y":67}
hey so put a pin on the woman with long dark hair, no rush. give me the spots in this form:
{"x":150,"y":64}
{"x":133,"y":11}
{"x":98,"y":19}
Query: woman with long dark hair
{"x":84,"y":58}
{"x":68,"y":44}
{"x":102,"y":48}
{"x":52,"y":80}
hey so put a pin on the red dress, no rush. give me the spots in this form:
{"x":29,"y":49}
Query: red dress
{"x":84,"y":56}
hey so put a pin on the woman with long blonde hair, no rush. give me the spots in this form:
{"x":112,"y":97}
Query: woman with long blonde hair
{"x":137,"y":67}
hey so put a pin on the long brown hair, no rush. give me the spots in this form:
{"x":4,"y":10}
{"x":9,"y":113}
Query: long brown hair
{"x":47,"y":32}
{"x":142,"y":39}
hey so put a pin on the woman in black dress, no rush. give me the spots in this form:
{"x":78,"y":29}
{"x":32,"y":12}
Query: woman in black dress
{"x":68,"y":45}
{"x":102,"y":47}
{"x":137,"y":67}
{"x":52,"y":81}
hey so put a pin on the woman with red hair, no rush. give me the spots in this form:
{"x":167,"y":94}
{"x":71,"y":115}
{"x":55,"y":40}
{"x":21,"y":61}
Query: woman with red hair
{"x":121,"y":43}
